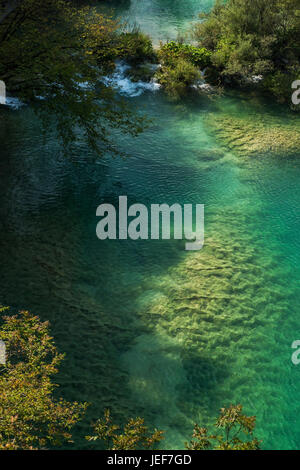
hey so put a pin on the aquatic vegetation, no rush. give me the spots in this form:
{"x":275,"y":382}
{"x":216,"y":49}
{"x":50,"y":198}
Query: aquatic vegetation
{"x":148,"y":330}
{"x":218,"y":309}
{"x":256,"y":134}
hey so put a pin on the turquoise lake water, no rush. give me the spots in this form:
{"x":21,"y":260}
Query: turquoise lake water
{"x":148,"y":328}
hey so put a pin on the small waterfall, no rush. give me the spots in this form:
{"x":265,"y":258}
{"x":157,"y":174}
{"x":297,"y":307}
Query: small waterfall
{"x":121,"y":82}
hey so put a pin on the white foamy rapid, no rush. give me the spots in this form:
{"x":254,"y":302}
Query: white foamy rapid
{"x":125,"y":86}
{"x":13,"y":103}
{"x":117,"y":80}
{"x":202,"y":85}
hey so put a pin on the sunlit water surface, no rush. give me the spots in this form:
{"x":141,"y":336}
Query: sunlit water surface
{"x":148,"y":328}
{"x":162,"y":19}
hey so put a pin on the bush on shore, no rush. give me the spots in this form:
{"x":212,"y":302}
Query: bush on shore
{"x":135,"y":47}
{"x":177,"y":77}
{"x":172,"y":51}
{"x":253,"y":42}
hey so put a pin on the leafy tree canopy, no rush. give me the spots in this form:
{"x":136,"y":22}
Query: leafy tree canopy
{"x":235,"y":428}
{"x":171,"y":51}
{"x":30,"y":417}
{"x":54,"y":50}
{"x":254,"y":37}
{"x":134,"y":436}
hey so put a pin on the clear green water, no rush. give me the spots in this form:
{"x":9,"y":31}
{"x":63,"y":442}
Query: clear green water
{"x":162,"y":19}
{"x":148,"y":328}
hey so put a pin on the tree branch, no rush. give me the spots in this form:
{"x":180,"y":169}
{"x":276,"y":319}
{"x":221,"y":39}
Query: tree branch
{"x":8,"y":8}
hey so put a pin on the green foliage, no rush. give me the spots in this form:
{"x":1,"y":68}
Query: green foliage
{"x":180,"y":64}
{"x":30,"y":417}
{"x":144,"y":72}
{"x":172,"y":51}
{"x":52,"y":49}
{"x":235,"y":427}
{"x":178,"y":77}
{"x":134,"y":436}
{"x":135,"y":47}
{"x":254,"y":37}
{"x":279,"y":83}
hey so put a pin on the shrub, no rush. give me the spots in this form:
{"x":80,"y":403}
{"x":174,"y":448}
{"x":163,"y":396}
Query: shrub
{"x":135,"y":47}
{"x":279,"y":83}
{"x":134,"y":435}
{"x":177,"y":77}
{"x":233,"y":427}
{"x":31,"y":417}
{"x":247,"y":38}
{"x":171,"y":51}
